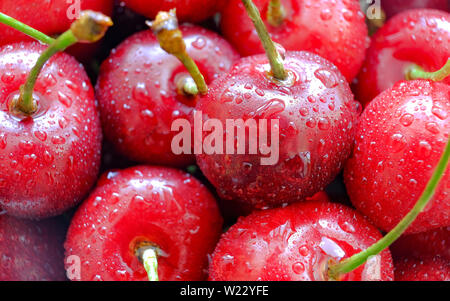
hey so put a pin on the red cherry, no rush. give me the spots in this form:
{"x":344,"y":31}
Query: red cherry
{"x":31,"y":251}
{"x":296,"y":243}
{"x":400,"y":138}
{"x":145,"y":205}
{"x":138,"y":95}
{"x":52,"y":19}
{"x":435,"y":243}
{"x":424,"y":269}
{"x":316,"y":112}
{"x":333,"y":29}
{"x":187,"y":11}
{"x":420,"y":37}
{"x":393,"y":7}
{"x":49,"y":160}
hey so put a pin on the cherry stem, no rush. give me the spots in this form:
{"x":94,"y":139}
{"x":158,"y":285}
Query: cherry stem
{"x":16,"y":24}
{"x":275,"y":59}
{"x":417,"y":72}
{"x":149,"y":258}
{"x":276,"y":13}
{"x":352,"y":263}
{"x":166,"y":29}
{"x":90,"y":27}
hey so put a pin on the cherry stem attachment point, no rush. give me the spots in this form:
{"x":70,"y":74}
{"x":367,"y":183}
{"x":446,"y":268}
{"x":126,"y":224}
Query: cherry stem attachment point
{"x":352,"y":263}
{"x":16,"y":24}
{"x":275,"y":59}
{"x":89,"y":28}
{"x":166,"y":29}
{"x":149,"y":258}
{"x":416,"y":72}
{"x":276,"y":13}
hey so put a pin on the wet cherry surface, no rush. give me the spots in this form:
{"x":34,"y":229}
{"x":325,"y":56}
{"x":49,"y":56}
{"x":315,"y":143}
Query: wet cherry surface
{"x":393,"y":7}
{"x":420,"y":37}
{"x":333,"y":29}
{"x":400,"y":139}
{"x":49,"y":161}
{"x":31,"y":251}
{"x":165,"y":207}
{"x":138,"y":95}
{"x":296,"y":243}
{"x":423,"y":269}
{"x":316,"y":113}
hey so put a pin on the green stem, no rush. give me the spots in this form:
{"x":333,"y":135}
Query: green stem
{"x":417,"y":72}
{"x":276,"y":13}
{"x":7,"y":20}
{"x":352,"y":263}
{"x":197,"y":76}
{"x":275,"y":59}
{"x":149,"y":259}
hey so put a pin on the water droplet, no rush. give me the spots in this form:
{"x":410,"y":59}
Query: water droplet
{"x":199,"y":43}
{"x":407,"y":119}
{"x":57,"y":140}
{"x":324,"y":123}
{"x":432,"y":127}
{"x":439,"y":113}
{"x":41,"y":135}
{"x":327,"y":78}
{"x":326,"y":14}
{"x":311,"y":122}
{"x":140,"y":93}
{"x":298,"y":268}
{"x":64,"y":99}
{"x":2,"y":141}
{"x":7,"y":77}
{"x":424,"y":149}
{"x":270,"y":108}
{"x":398,"y":142}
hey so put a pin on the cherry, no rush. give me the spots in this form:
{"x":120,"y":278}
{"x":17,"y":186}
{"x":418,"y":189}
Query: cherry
{"x":424,"y":269}
{"x":139,"y":95}
{"x":316,"y":113}
{"x":50,"y":134}
{"x":400,"y":138}
{"x":296,"y":243}
{"x":393,"y":7}
{"x":333,"y":29}
{"x":431,"y":243}
{"x":140,"y":208}
{"x":187,"y":11}
{"x":31,"y":251}
{"x":52,"y":19}
{"x":415,"y":37}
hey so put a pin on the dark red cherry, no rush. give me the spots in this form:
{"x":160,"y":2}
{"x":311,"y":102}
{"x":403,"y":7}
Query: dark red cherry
{"x":422,"y":269}
{"x":296,"y":243}
{"x":393,"y":7}
{"x":49,"y":160}
{"x":142,"y":206}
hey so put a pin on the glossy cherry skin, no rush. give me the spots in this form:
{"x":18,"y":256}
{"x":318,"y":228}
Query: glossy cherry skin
{"x":50,"y":160}
{"x":423,"y":269}
{"x":51,"y":18}
{"x":31,"y":251}
{"x":316,"y":112}
{"x":420,"y":37}
{"x":296,"y":243}
{"x":333,"y":29}
{"x":138,"y":96}
{"x":158,"y":205}
{"x":187,"y":11}
{"x":431,"y":243}
{"x":393,"y":7}
{"x":400,"y":139}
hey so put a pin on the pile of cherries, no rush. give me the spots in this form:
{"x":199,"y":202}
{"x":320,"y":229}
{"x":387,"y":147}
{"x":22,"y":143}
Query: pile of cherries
{"x":363,"y":123}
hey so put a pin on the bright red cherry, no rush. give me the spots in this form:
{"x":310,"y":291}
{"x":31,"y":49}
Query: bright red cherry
{"x":187,"y":11}
{"x":296,"y":243}
{"x":50,"y":159}
{"x":316,"y":113}
{"x":333,"y":29}
{"x":423,"y":269}
{"x":400,"y":138}
{"x":31,"y":251}
{"x":138,"y":95}
{"x":393,"y":7}
{"x":420,"y":37}
{"x":140,"y":207}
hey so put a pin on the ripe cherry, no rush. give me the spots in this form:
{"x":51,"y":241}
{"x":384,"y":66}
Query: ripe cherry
{"x":50,"y":129}
{"x":187,"y":11}
{"x":415,"y":37}
{"x":316,"y":113}
{"x":297,"y":243}
{"x":54,"y":18}
{"x":393,"y":7}
{"x":423,"y":269}
{"x":142,"y":208}
{"x":333,"y":29}
{"x":400,"y":138}
{"x":139,"y":96}
{"x":31,"y":251}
